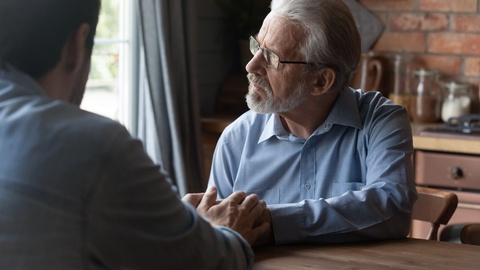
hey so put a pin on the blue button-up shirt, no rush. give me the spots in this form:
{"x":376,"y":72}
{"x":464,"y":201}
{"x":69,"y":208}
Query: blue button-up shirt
{"x":352,"y":179}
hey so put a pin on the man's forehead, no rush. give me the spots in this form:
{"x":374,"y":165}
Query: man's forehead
{"x":279,"y":32}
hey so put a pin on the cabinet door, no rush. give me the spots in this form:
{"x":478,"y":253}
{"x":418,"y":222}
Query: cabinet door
{"x":454,"y":172}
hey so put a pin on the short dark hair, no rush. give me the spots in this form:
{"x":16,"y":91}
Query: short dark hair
{"x":33,"y":32}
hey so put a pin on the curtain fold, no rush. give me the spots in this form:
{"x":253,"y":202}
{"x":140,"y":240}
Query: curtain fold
{"x":169,"y":113}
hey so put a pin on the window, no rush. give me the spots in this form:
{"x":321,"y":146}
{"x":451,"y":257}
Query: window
{"x":109,"y":87}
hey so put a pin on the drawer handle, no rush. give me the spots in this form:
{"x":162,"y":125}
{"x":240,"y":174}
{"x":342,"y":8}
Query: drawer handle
{"x":456,"y":173}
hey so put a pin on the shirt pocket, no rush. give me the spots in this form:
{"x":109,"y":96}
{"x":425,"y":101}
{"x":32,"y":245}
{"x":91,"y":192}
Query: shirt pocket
{"x":339,"y":189}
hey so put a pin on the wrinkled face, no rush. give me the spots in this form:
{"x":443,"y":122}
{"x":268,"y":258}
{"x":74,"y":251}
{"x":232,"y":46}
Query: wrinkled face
{"x":287,"y":87}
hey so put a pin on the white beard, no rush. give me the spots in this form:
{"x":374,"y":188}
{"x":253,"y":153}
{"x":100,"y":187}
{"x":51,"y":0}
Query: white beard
{"x":271,"y":104}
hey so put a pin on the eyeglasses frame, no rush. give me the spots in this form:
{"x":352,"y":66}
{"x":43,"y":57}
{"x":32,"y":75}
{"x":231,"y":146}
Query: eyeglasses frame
{"x":253,"y":41}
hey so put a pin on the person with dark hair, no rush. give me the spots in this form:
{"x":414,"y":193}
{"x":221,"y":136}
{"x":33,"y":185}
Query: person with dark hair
{"x":76,"y":190}
{"x":332,"y":163}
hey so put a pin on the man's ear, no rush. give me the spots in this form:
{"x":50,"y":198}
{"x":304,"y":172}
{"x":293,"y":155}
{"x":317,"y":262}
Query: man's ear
{"x":75,"y":53}
{"x":323,"y":81}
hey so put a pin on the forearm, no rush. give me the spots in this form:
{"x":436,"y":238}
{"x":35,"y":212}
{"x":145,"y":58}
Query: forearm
{"x":367,"y":214}
{"x":137,"y":221}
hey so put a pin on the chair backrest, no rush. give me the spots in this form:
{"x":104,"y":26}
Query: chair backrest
{"x":470,"y":234}
{"x":434,"y":206}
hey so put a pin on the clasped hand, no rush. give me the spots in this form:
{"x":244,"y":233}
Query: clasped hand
{"x":239,"y":212}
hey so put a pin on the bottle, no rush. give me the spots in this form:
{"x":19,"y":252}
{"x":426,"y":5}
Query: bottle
{"x":426,"y":100}
{"x":457,"y":101}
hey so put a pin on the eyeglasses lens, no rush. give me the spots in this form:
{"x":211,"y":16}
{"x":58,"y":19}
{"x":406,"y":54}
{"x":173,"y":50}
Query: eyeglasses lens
{"x":271,"y":58}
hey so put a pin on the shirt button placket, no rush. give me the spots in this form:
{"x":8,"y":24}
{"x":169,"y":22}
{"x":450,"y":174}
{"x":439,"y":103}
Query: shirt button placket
{"x":307,"y":168}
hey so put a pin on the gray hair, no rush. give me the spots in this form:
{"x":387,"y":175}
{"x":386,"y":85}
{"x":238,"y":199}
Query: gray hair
{"x":332,"y":37}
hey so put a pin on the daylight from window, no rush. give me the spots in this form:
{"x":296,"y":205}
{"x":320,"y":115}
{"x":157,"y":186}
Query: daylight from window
{"x":109,"y":74}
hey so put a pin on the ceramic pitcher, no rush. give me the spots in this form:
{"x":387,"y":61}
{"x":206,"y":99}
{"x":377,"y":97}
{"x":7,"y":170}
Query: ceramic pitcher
{"x":368,"y":74}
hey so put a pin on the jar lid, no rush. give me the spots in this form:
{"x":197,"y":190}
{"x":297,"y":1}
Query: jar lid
{"x":425,"y":72}
{"x":453,"y":86}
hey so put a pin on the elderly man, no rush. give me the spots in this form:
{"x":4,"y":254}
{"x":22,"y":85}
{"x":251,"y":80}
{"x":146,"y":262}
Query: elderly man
{"x":332,"y":163}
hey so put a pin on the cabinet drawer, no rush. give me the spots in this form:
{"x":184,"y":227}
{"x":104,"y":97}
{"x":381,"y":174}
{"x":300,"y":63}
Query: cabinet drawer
{"x":447,"y":170}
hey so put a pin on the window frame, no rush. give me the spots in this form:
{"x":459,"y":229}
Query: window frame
{"x":128,"y":62}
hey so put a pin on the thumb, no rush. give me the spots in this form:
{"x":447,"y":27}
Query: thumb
{"x":262,"y":229}
{"x":263,"y":234}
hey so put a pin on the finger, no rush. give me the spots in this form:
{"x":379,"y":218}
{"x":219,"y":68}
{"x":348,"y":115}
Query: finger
{"x":209,"y":198}
{"x":193,"y":198}
{"x":258,"y":210}
{"x":236,"y":198}
{"x":250,"y":201}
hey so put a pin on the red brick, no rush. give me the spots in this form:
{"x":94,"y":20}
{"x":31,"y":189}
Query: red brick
{"x":466,"y":23}
{"x":449,"y":5}
{"x":453,"y":43}
{"x":447,"y":65}
{"x":424,"y":22}
{"x":397,"y":42}
{"x":472,"y":66}
{"x":396,"y":5}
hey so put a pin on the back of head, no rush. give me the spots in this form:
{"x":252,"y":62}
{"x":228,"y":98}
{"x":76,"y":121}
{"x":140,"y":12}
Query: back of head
{"x":332,"y":38}
{"x":33,"y":32}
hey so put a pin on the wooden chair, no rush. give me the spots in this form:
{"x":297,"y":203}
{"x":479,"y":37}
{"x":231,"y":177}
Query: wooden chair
{"x":434,"y":206}
{"x":464,"y":233}
{"x":470,"y":234}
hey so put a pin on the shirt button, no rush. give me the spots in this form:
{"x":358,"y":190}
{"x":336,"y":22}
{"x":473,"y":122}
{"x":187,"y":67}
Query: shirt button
{"x":308,"y":145}
{"x":307,"y":186}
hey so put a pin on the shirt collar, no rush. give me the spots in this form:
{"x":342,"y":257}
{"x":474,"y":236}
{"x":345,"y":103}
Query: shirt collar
{"x":344,"y":112}
{"x":21,"y":79}
{"x":273,"y":127}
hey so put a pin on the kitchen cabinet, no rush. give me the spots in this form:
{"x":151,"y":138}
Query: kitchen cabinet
{"x":448,"y":161}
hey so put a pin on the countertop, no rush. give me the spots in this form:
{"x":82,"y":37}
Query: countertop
{"x":463,"y":144}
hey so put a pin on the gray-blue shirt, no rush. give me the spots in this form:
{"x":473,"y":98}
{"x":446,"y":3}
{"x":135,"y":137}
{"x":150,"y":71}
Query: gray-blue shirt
{"x":351,"y":180}
{"x":78,"y":192}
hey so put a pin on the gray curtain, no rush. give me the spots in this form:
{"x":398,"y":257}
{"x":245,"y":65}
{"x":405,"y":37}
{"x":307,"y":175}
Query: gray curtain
{"x":169,"y":113}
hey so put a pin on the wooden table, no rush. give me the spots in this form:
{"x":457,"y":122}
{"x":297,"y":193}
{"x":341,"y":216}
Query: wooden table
{"x":408,"y":253}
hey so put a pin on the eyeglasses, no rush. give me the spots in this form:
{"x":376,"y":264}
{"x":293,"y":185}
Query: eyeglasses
{"x":270,"y":57}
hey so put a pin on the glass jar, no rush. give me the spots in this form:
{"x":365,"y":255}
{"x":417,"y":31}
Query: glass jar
{"x":457,"y":102}
{"x":402,"y":73}
{"x":426,"y":99}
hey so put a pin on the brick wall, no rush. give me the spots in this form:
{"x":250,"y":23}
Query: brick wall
{"x":438,"y":34}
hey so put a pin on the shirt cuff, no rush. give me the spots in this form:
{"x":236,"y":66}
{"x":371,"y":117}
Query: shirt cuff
{"x":288,"y":221}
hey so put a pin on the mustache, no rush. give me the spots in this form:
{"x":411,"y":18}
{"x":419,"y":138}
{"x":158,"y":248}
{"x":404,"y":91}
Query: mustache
{"x":254,"y":79}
